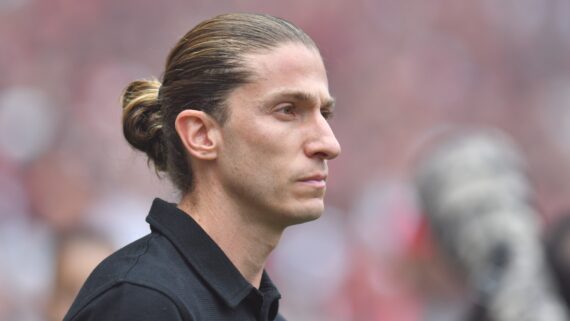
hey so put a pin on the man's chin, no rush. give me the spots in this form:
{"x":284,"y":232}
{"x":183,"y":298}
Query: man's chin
{"x":309,"y":212}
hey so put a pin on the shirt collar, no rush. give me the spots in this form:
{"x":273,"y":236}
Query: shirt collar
{"x":202,"y":253}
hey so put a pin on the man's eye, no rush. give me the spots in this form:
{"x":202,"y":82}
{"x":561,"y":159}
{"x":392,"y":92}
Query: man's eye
{"x":287,"y":110}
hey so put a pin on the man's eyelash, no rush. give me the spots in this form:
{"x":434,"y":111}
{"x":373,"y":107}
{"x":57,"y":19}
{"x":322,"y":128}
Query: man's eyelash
{"x":327,"y":114}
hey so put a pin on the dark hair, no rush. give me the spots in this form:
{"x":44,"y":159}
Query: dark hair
{"x":201,"y":70}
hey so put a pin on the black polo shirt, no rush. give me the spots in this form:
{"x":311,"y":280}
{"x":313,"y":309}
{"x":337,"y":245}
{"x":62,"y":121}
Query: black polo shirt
{"x":176,"y":272}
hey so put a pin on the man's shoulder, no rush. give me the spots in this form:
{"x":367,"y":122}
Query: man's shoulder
{"x":148,"y":267}
{"x":130,"y":301}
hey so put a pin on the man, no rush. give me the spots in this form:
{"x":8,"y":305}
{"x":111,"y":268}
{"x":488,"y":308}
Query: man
{"x":239,"y":124}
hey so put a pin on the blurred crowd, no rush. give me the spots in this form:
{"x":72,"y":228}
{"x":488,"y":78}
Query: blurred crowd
{"x":404,"y":74}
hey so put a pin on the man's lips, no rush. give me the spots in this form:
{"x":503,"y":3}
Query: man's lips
{"x":316,"y":180}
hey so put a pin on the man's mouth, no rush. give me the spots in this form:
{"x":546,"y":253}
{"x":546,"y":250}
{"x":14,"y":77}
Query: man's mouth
{"x":316,"y":180}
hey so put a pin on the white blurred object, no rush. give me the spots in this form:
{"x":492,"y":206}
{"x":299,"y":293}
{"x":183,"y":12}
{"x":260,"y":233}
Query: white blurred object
{"x":28,"y":123}
{"x":26,"y":267}
{"x":478,"y":201}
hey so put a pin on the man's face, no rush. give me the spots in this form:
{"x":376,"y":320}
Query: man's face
{"x":277,"y":140}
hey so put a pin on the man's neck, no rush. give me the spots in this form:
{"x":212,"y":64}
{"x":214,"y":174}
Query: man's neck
{"x":245,"y":241}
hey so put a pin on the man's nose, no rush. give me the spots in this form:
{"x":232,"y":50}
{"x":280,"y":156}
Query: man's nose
{"x":322,"y":143}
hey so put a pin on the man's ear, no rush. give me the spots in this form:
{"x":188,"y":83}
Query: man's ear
{"x":199,"y":133}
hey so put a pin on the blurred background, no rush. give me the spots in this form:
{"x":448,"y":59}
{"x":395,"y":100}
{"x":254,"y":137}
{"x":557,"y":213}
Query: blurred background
{"x":407,"y":76}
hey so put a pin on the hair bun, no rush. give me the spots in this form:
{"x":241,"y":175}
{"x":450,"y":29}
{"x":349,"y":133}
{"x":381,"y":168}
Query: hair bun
{"x":142,"y":120}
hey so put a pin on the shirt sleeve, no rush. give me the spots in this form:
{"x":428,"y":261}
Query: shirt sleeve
{"x":130,"y":302}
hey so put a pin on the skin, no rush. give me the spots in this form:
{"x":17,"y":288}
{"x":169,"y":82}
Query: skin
{"x":264,"y":169}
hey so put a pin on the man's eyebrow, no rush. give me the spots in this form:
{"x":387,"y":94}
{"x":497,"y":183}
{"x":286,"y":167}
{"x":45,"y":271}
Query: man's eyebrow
{"x":303,"y":96}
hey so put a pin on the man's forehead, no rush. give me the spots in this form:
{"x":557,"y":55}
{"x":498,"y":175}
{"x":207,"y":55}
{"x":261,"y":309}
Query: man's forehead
{"x":288,"y":59}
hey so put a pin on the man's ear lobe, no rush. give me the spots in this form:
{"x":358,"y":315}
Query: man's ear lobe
{"x":199,"y":134}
